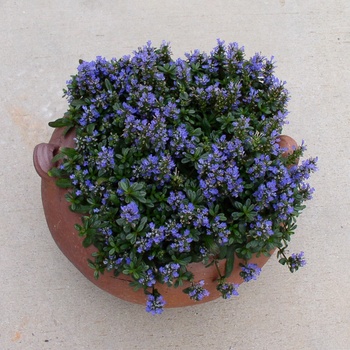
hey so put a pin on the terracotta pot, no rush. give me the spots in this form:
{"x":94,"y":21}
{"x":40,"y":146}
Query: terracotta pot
{"x":61,"y":220}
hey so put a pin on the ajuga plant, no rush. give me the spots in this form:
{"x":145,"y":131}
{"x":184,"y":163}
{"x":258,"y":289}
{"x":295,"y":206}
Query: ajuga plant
{"x":178,"y":161}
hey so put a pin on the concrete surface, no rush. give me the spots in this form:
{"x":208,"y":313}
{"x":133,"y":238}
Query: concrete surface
{"x":45,"y":303}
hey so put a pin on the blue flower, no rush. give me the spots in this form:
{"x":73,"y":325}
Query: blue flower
{"x":148,"y":279}
{"x":155,"y":304}
{"x":157,"y":235}
{"x":105,"y":158}
{"x":303,"y":171}
{"x":197,"y":291}
{"x":250,"y":272}
{"x":154,"y":237}
{"x":146,"y":134}
{"x":181,"y":239}
{"x":295,"y":261}
{"x":175,"y":199}
{"x":130,"y":212}
{"x":204,"y":251}
{"x":260,"y":166}
{"x":261,"y":227}
{"x":201,"y":218}
{"x":227,"y":289}
{"x":218,"y":173}
{"x":265,"y":194}
{"x":169,"y":272}
{"x":143,"y":244}
{"x":156,"y":168}
{"x":106,"y":231}
{"x":218,"y":229}
{"x":180,"y":141}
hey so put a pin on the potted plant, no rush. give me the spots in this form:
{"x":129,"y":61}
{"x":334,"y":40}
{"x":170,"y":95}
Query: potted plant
{"x":175,"y":172}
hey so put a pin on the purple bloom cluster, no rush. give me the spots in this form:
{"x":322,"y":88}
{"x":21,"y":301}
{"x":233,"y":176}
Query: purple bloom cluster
{"x":295,"y":261}
{"x":180,"y":141}
{"x":261,"y":228}
{"x":308,"y":166}
{"x":106,"y":232}
{"x":190,"y":215}
{"x":112,"y":262}
{"x":260,"y":166}
{"x":146,"y":134}
{"x":250,"y":272}
{"x":154,"y":237}
{"x":105,"y":158}
{"x":180,"y":237}
{"x":197,"y":291}
{"x":218,"y":172}
{"x":227,"y":289}
{"x":169,"y":272}
{"x":155,"y":304}
{"x":155,"y":168}
{"x":148,"y":278}
{"x":176,"y":199}
{"x":219,"y":230}
{"x":130,"y":212}
{"x":266,"y":194}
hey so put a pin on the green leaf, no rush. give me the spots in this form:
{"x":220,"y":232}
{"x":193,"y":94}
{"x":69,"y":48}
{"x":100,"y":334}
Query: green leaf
{"x":90,"y":128}
{"x":64,"y":183}
{"x":137,"y":186}
{"x":142,"y":224}
{"x":120,"y":221}
{"x":108,"y":85}
{"x":82,"y":209}
{"x":57,"y":157}
{"x":184,"y":96}
{"x":197,"y":132}
{"x":87,"y":242}
{"x":131,"y":237}
{"x":78,"y":103}
{"x":191,"y":195}
{"x":101,"y":180}
{"x":184,"y":261}
{"x":187,"y":290}
{"x":139,"y":197}
{"x":61,"y":122}
{"x":282,"y":261}
{"x":223,"y":252}
{"x":230,"y":259}
{"x":149,"y":203}
{"x":178,"y":283}
{"x":238,"y":205}
{"x":124,"y":185}
{"x":69,"y":152}
{"x":54,"y":172}
{"x":252,"y":244}
{"x":114,"y":199}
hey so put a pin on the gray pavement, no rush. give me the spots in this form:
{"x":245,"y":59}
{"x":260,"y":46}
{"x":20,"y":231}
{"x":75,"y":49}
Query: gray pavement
{"x":46,"y":303}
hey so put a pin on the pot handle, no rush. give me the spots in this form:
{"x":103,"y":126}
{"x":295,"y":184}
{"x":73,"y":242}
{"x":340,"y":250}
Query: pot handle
{"x":288,"y":144}
{"x":42,"y":158}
